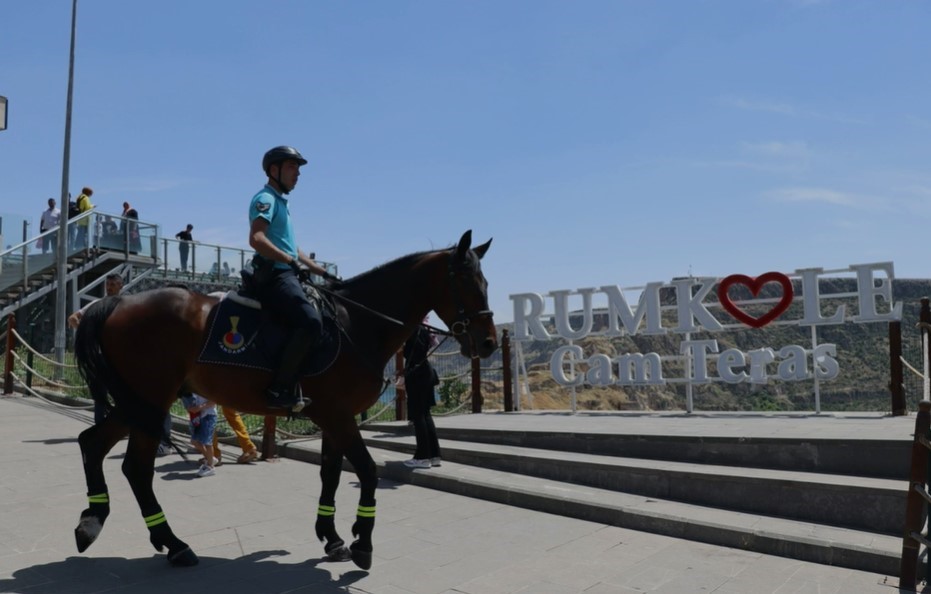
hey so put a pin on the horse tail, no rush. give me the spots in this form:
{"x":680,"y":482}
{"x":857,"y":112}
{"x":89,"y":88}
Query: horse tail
{"x":91,"y":360}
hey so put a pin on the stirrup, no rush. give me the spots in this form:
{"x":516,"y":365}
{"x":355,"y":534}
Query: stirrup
{"x":288,"y":398}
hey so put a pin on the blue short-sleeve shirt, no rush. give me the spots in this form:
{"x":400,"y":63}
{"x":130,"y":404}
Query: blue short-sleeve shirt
{"x":273,"y":207}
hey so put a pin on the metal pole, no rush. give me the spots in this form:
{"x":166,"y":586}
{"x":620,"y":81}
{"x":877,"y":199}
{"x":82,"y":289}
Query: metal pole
{"x":63,"y":227}
{"x":814,"y":345}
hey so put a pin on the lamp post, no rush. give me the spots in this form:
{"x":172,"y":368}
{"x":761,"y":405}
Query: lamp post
{"x":60,"y":293}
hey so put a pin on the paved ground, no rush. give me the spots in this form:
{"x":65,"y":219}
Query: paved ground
{"x":253,"y":529}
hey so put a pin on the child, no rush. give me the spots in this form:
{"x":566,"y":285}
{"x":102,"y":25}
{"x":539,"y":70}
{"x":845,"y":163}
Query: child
{"x":203,"y":415}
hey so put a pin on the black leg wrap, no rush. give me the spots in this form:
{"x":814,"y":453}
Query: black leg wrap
{"x":361,"y":548}
{"x":90,"y":525}
{"x":334,"y":546}
{"x":179,"y":553}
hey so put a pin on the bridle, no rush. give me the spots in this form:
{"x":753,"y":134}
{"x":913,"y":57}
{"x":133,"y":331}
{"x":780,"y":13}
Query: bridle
{"x":459,"y":326}
{"x":463,"y":320}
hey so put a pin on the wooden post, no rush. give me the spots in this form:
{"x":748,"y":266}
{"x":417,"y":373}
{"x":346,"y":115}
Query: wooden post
{"x":924,"y":323}
{"x":506,"y":371}
{"x":400,"y":400}
{"x":896,"y":372}
{"x":476,"y":385}
{"x":269,"y":449}
{"x":8,"y":363}
{"x":915,"y":503}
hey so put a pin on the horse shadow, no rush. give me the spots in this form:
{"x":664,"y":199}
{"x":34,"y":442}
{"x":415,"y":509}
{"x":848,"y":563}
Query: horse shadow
{"x":256,"y":572}
{"x":53,"y":440}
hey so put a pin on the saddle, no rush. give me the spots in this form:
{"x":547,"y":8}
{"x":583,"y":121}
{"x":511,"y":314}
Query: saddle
{"x":242,"y":334}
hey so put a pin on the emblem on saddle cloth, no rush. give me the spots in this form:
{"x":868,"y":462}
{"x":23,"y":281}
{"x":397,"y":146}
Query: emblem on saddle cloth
{"x":241,"y":336}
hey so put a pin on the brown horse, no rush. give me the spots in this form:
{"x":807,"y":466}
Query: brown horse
{"x":143,"y":348}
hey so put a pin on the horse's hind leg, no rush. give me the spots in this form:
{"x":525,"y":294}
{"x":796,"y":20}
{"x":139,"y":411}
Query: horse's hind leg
{"x":358,"y":455}
{"x":96,"y":441}
{"x":331,"y":465}
{"x":139,"y":469}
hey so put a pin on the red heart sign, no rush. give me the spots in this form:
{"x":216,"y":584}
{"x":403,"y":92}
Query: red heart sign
{"x":755,"y":284}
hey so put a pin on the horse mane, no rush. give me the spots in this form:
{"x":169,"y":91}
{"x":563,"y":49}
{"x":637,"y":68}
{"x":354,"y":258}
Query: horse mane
{"x":364,"y":278}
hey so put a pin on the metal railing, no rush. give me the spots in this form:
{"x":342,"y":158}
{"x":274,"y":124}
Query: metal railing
{"x":90,"y":231}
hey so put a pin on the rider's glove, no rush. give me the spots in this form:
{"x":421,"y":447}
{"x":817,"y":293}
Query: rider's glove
{"x":332,"y":278}
{"x":302,"y":274}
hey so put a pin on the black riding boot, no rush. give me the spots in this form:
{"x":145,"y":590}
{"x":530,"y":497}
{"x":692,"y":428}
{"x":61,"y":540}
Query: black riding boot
{"x":283,"y":392}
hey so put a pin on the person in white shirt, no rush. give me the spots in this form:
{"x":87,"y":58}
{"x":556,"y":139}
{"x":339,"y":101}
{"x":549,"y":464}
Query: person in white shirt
{"x":50,"y":220}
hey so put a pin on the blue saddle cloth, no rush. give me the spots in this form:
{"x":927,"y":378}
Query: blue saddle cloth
{"x":242,"y":336}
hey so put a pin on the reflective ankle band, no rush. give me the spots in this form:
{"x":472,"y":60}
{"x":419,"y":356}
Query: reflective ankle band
{"x":366,"y":511}
{"x":326,"y":510}
{"x":102,"y":498}
{"x":155,"y":519}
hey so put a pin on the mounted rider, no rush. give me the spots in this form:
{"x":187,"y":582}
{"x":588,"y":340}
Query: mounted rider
{"x":278,"y":273}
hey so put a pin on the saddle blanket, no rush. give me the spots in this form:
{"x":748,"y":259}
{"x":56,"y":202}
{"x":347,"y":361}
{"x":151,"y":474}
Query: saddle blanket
{"x":241,"y":335}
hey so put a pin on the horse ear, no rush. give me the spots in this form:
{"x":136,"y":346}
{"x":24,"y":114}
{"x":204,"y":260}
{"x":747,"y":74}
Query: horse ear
{"x":465,"y":242}
{"x":481,"y":249}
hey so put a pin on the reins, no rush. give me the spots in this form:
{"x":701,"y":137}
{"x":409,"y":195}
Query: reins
{"x":446,"y":334}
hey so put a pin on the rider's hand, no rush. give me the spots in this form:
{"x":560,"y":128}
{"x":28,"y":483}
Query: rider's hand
{"x":302,"y":274}
{"x":332,"y":279}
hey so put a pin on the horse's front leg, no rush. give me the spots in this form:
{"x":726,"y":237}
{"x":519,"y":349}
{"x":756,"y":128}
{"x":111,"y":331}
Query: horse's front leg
{"x":139,"y":469}
{"x":95,"y":442}
{"x":361,"y":460}
{"x":331,"y":465}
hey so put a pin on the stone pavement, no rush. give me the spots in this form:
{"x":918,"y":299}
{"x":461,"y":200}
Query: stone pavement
{"x":252,"y":527}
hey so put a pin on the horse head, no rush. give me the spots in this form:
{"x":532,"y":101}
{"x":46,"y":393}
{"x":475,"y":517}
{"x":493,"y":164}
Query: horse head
{"x":465,"y":309}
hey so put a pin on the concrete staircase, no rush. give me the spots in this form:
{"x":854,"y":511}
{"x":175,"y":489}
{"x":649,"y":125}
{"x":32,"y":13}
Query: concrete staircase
{"x":831,"y":501}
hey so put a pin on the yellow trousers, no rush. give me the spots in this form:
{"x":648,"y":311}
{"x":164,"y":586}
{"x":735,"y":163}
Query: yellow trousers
{"x":239,"y":429}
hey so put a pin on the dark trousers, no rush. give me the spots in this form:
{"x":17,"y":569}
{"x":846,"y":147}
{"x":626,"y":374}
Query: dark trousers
{"x":50,"y":243}
{"x":183,"y":250}
{"x":284,"y":296}
{"x":418,"y":412}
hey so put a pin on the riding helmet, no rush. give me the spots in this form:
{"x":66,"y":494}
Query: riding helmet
{"x":280,"y":154}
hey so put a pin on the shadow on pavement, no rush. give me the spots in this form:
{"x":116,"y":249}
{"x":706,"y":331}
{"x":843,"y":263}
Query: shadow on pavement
{"x":253,"y":573}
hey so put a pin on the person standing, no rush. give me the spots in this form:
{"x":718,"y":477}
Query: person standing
{"x":278,"y":273}
{"x":113,"y":285}
{"x":184,"y":244}
{"x":249,"y":451}
{"x":420,"y":381}
{"x":51,"y":218}
{"x":130,"y":228}
{"x":203,"y":414}
{"x":84,"y":205}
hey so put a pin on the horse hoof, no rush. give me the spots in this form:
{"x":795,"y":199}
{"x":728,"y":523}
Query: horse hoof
{"x":183,"y":558}
{"x":82,"y":540}
{"x":339,"y":554}
{"x":362,"y":559}
{"x":87,"y":532}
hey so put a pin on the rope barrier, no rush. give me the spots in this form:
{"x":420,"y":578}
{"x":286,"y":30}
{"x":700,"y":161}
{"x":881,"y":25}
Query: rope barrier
{"x":38,"y":395}
{"x":40,"y":376}
{"x":38,"y":354}
{"x":912,"y":369}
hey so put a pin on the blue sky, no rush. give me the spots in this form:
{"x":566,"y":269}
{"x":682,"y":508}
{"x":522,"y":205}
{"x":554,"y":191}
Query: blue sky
{"x":598,"y":142}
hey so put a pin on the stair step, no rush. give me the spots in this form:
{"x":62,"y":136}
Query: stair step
{"x":861,"y":503}
{"x":886,"y":457}
{"x":795,"y":539}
